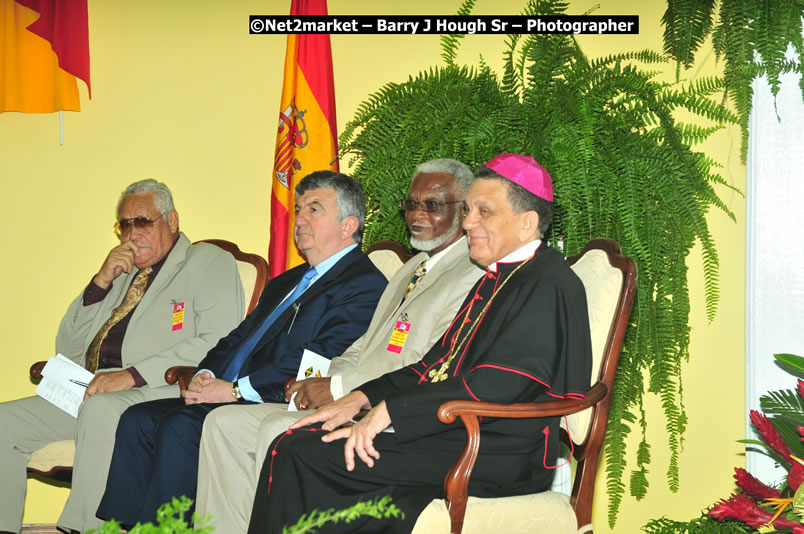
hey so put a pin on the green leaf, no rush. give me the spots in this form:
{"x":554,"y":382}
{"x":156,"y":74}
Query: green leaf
{"x":791,"y":361}
{"x":785,"y":403}
{"x":790,"y":435}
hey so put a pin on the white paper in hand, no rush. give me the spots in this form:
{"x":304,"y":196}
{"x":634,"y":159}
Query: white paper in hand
{"x":312,"y":364}
{"x":64,"y":383}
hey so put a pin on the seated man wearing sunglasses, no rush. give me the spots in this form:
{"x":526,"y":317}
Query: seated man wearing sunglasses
{"x":157,"y":301}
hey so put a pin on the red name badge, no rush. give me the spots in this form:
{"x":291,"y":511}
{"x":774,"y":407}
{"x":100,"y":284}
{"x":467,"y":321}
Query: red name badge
{"x":401,"y":331}
{"x":178,"y":315}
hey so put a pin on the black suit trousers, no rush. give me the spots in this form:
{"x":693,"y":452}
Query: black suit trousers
{"x":155,"y":459}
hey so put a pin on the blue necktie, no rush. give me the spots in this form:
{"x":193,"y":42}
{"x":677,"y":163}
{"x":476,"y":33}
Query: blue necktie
{"x":233,"y":370}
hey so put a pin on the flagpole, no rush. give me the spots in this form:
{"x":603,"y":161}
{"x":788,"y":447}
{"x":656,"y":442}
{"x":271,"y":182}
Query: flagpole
{"x":307,"y":138}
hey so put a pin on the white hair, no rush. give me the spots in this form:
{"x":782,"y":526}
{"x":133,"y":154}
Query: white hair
{"x":163,"y":198}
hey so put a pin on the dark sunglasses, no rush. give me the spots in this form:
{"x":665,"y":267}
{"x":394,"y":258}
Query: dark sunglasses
{"x":143,"y":224}
{"x":429,"y":206}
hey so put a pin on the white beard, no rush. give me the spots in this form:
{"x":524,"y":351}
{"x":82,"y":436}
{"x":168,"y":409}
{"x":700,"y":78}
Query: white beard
{"x":426,"y":245}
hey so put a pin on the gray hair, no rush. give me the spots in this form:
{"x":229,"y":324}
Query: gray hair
{"x":163,"y":198}
{"x":463,"y":175}
{"x":348,"y":196}
{"x":521,"y":199}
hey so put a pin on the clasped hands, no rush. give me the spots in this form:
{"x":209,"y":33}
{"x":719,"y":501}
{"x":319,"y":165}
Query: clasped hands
{"x":203,"y":388}
{"x":360,"y":436}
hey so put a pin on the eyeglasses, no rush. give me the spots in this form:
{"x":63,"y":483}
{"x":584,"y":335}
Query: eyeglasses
{"x":143,"y":224}
{"x":429,"y":206}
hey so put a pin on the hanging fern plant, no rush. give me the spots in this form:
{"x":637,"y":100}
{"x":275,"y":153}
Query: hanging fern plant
{"x":441,"y":113}
{"x":622,"y":165}
{"x":752,"y":37}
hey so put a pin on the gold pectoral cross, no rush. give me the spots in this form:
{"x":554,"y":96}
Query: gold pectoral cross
{"x":458,"y":341}
{"x":439,"y":375}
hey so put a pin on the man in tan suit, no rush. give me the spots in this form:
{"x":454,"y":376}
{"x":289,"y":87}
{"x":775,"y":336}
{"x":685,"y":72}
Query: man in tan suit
{"x":156,"y":301}
{"x":413,"y":312}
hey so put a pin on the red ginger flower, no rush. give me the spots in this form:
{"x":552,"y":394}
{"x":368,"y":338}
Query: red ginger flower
{"x":801,"y":432}
{"x":742,"y":508}
{"x":753,"y":487}
{"x":796,"y":476}
{"x":771,"y":435}
{"x":801,"y":388}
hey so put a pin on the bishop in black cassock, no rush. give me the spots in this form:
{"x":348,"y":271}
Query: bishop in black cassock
{"x":522,"y":335}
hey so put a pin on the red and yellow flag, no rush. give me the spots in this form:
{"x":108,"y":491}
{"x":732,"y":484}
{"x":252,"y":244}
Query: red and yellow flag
{"x":44,"y":46}
{"x":307,"y":139}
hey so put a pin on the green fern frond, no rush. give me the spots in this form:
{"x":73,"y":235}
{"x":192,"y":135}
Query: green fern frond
{"x":687,"y":23}
{"x":451,"y":42}
{"x":752,"y":36}
{"x":694,"y":134}
{"x":513,"y":78}
{"x":777,"y":25}
{"x":639,"y":483}
{"x":642,"y":56}
{"x":705,"y":524}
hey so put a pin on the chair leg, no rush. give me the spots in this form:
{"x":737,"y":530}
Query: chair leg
{"x":457,"y":510}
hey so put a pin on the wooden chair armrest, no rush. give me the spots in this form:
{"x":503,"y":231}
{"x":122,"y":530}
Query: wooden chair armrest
{"x":36,"y":370}
{"x":181,"y":374}
{"x":456,"y":483}
{"x":451,"y":410}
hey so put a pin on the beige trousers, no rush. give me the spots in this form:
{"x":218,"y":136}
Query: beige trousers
{"x":31,"y":423}
{"x":234,"y":443}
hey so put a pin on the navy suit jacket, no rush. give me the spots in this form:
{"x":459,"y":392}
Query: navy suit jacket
{"x":329,"y":316}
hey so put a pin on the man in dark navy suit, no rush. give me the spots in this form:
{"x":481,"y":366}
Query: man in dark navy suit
{"x":322,"y":305}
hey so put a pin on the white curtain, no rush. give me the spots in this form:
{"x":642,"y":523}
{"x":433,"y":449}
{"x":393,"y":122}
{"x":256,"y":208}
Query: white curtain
{"x":774,"y":248}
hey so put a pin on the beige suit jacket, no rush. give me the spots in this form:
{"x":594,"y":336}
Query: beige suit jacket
{"x":429,"y":309}
{"x":202,"y":276}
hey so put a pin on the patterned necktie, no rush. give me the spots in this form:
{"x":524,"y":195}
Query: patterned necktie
{"x":133,"y":297}
{"x":232,"y":371}
{"x":418,"y":274}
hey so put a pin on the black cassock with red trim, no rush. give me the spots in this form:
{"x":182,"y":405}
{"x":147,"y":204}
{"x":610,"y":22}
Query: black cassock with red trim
{"x":522,"y":335}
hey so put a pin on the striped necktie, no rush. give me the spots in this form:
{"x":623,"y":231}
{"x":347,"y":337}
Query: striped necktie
{"x":418,"y":274}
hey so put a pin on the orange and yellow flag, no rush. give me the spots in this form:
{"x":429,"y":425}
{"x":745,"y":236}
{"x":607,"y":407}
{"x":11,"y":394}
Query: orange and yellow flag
{"x":307,"y":136}
{"x":44,"y":46}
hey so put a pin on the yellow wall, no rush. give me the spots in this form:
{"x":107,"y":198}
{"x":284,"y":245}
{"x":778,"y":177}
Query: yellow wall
{"x":184,"y":94}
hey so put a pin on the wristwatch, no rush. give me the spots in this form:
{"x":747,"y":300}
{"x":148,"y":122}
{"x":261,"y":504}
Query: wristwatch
{"x":236,"y":392}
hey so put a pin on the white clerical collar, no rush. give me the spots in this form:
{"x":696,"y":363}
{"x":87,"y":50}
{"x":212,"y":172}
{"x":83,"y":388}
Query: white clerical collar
{"x":430,"y":262}
{"x":523,"y":253}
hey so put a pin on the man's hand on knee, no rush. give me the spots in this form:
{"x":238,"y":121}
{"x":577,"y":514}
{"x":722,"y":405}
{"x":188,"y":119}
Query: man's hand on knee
{"x":311,"y":393}
{"x":109,"y":381}
{"x":360,"y":437}
{"x":336,"y":413}
{"x":207,"y":389}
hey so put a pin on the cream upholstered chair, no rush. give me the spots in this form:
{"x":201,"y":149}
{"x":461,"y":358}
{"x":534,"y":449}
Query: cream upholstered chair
{"x":610,"y":280}
{"x":55,"y":460}
{"x":252,"y":268}
{"x":388,"y":256}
